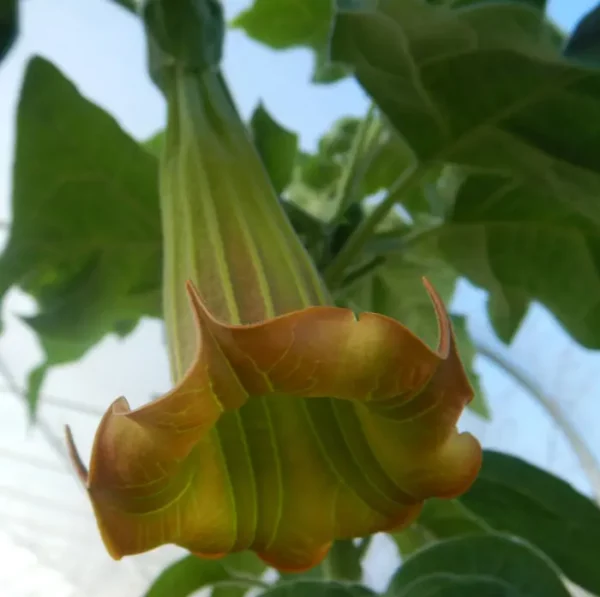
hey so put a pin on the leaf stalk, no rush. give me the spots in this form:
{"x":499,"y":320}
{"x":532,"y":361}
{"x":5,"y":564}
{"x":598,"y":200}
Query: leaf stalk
{"x":334,"y":274}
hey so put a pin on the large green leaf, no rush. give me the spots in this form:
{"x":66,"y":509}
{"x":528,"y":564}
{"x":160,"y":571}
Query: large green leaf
{"x":191,"y":574}
{"x":283,"y":24}
{"x":244,"y":565}
{"x":444,"y":519}
{"x":521,"y":242}
{"x":494,"y":558}
{"x":9,"y":25}
{"x":454,"y":80}
{"x":276,"y":145}
{"x":304,"y":588}
{"x":85,"y":239}
{"x":513,"y":496}
{"x":584,"y":44}
{"x":128,"y":4}
{"x":450,"y":585}
{"x":439,"y":519}
{"x":486,"y":86}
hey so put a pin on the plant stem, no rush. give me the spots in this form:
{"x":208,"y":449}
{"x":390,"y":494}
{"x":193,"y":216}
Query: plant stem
{"x":363,"y":270}
{"x":587,"y":460}
{"x":355,"y":166}
{"x":343,"y":562}
{"x":334,"y":273}
{"x":78,"y":407}
{"x":55,"y":443}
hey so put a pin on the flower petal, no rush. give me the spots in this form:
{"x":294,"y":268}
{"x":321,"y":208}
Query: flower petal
{"x":233,"y":459}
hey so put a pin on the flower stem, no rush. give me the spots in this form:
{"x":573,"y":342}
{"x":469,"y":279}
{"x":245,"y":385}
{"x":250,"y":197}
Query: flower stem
{"x":587,"y":460}
{"x":358,"y":161}
{"x":334,"y":273}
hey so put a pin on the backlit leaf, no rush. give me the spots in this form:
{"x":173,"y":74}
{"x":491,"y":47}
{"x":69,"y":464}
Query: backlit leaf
{"x":521,"y":243}
{"x":187,"y":576}
{"x":276,"y":145}
{"x":9,"y":25}
{"x":85,"y":239}
{"x":514,"y":496}
{"x":283,"y":24}
{"x":478,"y":87}
{"x":496,"y":558}
{"x":584,"y":44}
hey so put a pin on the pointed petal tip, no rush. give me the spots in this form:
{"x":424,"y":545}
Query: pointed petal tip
{"x":445,"y":332}
{"x":120,"y":406}
{"x":74,"y":456}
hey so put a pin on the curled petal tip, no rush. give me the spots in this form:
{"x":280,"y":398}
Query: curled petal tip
{"x":74,"y":456}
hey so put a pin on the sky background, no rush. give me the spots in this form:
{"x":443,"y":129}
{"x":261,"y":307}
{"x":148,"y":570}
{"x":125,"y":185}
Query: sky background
{"x":48,"y":542}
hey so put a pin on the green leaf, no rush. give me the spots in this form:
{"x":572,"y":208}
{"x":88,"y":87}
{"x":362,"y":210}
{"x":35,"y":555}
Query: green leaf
{"x":496,"y":558}
{"x":507,"y":308}
{"x":315,"y":573}
{"x":321,"y":171}
{"x":411,"y":539}
{"x":324,"y":71}
{"x":344,"y":561}
{"x":447,"y":94}
{"x":391,"y":157}
{"x":510,"y":104}
{"x":245,"y":564}
{"x":439,"y":519}
{"x":467,"y":354}
{"x":584,"y":44}
{"x":395,"y":289}
{"x":128,"y":4}
{"x":449,"y":585}
{"x":85,"y":240}
{"x":303,"y":588}
{"x":155,"y":143}
{"x":187,"y":576}
{"x":9,"y":26}
{"x":283,"y":24}
{"x":444,"y":519}
{"x":520,"y":243}
{"x":514,"y":496}
{"x":309,"y":229}
{"x":276,"y":145}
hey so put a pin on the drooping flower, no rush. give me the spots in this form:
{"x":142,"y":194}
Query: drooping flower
{"x":293,"y":423}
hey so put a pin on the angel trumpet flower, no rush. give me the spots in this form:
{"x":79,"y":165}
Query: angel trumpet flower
{"x":293,"y":423}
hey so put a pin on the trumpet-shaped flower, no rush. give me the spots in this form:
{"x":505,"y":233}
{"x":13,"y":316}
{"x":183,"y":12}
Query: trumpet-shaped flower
{"x":293,"y":423}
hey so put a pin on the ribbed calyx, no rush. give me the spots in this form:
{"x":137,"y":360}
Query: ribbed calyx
{"x":223,"y":226}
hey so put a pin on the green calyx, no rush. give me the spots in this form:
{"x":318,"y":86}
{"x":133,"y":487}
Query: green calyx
{"x":183,"y":33}
{"x":223,"y":227}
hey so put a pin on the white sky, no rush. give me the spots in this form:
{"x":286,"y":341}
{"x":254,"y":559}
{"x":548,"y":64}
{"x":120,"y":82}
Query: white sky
{"x":42,"y":509}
